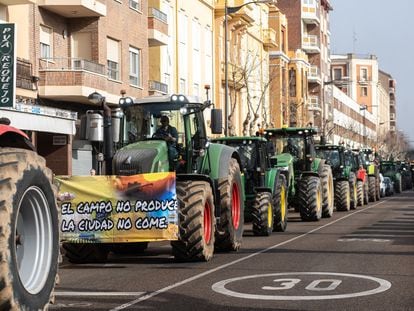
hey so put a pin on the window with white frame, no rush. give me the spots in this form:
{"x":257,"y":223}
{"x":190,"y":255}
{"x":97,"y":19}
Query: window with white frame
{"x":182,"y":86}
{"x":208,"y":79}
{"x":135,"y":4}
{"x":337,"y":73}
{"x":113,"y":60}
{"x":196,"y":41}
{"x":46,"y":40}
{"x":182,"y":46}
{"x":364,"y":74}
{"x":134,"y":66}
{"x":364,"y":91}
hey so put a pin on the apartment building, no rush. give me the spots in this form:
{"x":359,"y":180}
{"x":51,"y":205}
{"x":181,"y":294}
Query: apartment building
{"x":185,"y":63}
{"x":387,"y":112}
{"x":280,"y":106}
{"x":247,"y":59}
{"x":50,"y":127}
{"x":309,"y":31}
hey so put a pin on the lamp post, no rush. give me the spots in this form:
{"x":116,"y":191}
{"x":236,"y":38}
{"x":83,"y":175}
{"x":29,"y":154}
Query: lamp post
{"x":230,"y":10}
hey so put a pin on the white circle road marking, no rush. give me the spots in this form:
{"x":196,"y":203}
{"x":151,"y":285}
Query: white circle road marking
{"x":201,"y":275}
{"x":220,"y":287}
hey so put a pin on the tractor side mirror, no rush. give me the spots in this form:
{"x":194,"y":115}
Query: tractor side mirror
{"x":216,"y":121}
{"x":273,"y":162}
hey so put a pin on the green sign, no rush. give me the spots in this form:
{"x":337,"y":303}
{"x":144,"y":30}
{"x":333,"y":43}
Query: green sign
{"x":7,"y":65}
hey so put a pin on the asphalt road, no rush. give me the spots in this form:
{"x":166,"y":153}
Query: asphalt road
{"x":356,"y":260}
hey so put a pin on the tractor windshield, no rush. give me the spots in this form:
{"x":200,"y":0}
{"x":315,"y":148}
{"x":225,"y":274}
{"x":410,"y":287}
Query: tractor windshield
{"x":293,"y":145}
{"x":331,"y":155}
{"x":388,"y":168}
{"x":247,"y":151}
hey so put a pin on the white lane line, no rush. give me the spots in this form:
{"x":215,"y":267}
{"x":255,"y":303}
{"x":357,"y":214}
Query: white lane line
{"x":199,"y":276}
{"x":96,"y":294}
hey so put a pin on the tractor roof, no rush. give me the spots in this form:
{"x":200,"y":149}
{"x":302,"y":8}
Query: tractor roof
{"x":291,"y":131}
{"x":239,"y":138}
{"x":330,"y":147}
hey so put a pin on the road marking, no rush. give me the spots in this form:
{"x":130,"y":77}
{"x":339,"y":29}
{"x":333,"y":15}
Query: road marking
{"x":201,"y":275}
{"x":220,"y":287}
{"x":96,"y":294}
{"x":363,"y":240}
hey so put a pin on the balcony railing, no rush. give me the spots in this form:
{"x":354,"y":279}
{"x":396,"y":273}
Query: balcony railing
{"x":154,"y":12}
{"x":310,"y":14}
{"x":157,"y":27}
{"x":156,"y":86}
{"x":314,"y":75}
{"x":71,"y":64}
{"x":313,"y":103}
{"x":310,"y":43}
{"x":24,"y":74}
{"x":269,"y":38}
{"x":392,"y":116}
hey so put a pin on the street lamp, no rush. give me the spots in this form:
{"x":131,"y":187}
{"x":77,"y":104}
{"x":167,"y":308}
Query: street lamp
{"x":230,"y":10}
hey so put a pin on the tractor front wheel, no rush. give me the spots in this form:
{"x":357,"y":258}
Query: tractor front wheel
{"x":280,"y":205}
{"x":342,"y":196}
{"x":263,"y":214}
{"x":328,"y":191}
{"x":310,"y":198}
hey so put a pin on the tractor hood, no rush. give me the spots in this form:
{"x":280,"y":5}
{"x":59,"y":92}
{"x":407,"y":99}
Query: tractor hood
{"x":150,"y":156}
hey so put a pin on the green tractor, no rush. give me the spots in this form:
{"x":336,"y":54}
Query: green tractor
{"x":406,"y":176}
{"x":345,"y":180}
{"x":208,"y":212}
{"x":370,"y":163}
{"x":310,"y":180}
{"x":391,"y":169}
{"x":265,"y":186}
{"x":362,"y":178}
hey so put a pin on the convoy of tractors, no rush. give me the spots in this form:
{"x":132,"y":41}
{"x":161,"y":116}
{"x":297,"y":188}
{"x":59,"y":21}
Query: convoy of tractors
{"x":198,"y":197}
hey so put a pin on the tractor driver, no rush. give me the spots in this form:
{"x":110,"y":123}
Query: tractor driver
{"x":291,"y":148}
{"x":170,"y":135}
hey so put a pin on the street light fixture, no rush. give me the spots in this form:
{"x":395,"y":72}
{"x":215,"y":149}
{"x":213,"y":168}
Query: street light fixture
{"x":230,"y":10}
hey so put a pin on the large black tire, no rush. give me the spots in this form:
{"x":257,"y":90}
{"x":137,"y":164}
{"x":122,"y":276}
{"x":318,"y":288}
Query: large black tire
{"x":342,"y":196}
{"x":398,"y":186}
{"x":366,"y":192}
{"x":196,"y":222}
{"x":360,"y":193}
{"x":262,"y":214}
{"x":29,"y":231}
{"x":86,"y":252}
{"x":353,"y":190}
{"x":372,"y":189}
{"x":280,"y":205}
{"x":310,"y":198}
{"x":128,"y":248}
{"x":230,"y":230}
{"x":327,"y":191}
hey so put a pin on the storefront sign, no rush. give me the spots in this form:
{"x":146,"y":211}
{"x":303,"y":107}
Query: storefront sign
{"x":7,"y":65}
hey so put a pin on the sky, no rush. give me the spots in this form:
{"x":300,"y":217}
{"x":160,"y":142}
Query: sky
{"x":386,"y":29}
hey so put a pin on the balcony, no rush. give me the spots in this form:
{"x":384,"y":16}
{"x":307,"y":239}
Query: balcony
{"x":392,"y":103}
{"x":363,"y":81}
{"x":157,"y":27}
{"x":245,"y":15}
{"x":74,"y":8}
{"x":71,"y":79}
{"x":313,"y":104}
{"x":392,"y":128}
{"x":391,"y":90}
{"x":269,"y":38}
{"x":392,"y":116}
{"x":234,"y":76}
{"x":156,"y":87}
{"x":24,"y":78}
{"x":314,"y":75}
{"x":310,"y":44}
{"x":11,"y":2}
{"x":310,"y":14}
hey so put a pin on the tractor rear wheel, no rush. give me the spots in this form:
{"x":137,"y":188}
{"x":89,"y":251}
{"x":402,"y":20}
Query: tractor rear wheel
{"x":310,"y":198}
{"x":230,"y":234}
{"x":354,"y":190}
{"x":196,"y":222}
{"x":342,"y":196}
{"x":328,"y":191}
{"x":366,"y":192}
{"x":372,"y":188}
{"x":280,"y":205}
{"x":262,"y":214}
{"x":29,"y":231}
{"x":360,"y":193}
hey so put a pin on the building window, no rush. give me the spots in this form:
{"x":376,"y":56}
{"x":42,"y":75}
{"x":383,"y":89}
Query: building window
{"x":292,"y":82}
{"x":364,"y":91}
{"x":112,"y":48}
{"x":134,"y":66}
{"x":364,"y":74}
{"x":182,"y":86}
{"x":135,"y":5}
{"x":196,"y":89}
{"x":337,"y":73}
{"x":46,"y":42}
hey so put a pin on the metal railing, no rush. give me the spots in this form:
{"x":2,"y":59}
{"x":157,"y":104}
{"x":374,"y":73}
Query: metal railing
{"x":154,"y":12}
{"x":71,"y":64}
{"x":157,"y":86}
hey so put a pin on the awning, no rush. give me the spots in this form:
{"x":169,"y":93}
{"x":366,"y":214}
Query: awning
{"x":39,"y":122}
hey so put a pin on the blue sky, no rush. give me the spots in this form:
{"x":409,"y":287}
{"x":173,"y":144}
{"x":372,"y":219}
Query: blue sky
{"x":385,"y":29}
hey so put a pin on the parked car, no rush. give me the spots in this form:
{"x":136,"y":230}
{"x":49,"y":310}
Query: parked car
{"x":382,"y":186}
{"x":389,"y":186}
